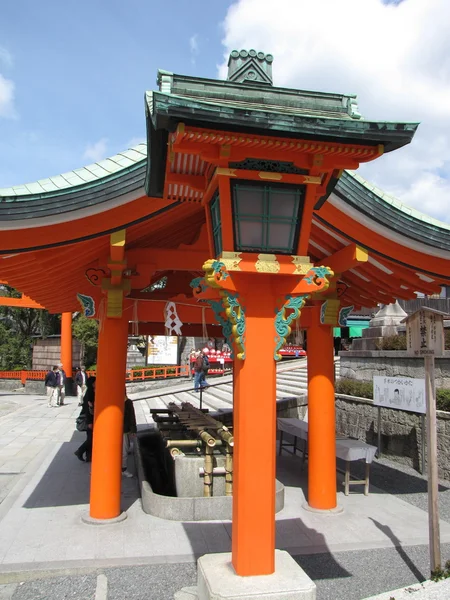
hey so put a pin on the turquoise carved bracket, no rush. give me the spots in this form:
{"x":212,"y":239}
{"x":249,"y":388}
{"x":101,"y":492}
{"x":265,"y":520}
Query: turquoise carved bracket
{"x":218,"y":308}
{"x":236,"y":314}
{"x":225,"y":304}
{"x":87,"y":305}
{"x":283,"y":320}
{"x":343,"y":314}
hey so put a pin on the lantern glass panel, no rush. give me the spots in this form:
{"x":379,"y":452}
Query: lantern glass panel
{"x":267,"y":218}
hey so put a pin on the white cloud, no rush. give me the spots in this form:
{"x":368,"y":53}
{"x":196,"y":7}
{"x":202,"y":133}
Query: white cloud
{"x":135,"y":141}
{"x":7,"y":109}
{"x":97,"y":151}
{"x":7,"y":87}
{"x":6,"y":57}
{"x":395,"y":57}
{"x":194,"y":47}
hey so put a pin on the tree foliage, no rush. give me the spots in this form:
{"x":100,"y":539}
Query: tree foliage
{"x":18,"y":326}
{"x":86,"y":332}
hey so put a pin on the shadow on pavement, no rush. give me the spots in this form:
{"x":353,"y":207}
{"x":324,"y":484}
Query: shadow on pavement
{"x":66,"y":482}
{"x":398,"y":547}
{"x":292,"y":535}
{"x":383,"y":478}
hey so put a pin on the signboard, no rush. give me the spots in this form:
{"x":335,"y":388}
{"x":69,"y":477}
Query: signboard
{"x":162,"y":350}
{"x":401,"y":393}
{"x":425,"y":333}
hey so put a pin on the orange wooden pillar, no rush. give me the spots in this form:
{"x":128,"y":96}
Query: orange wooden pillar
{"x":253,"y":527}
{"x":66,"y":350}
{"x":66,"y":343}
{"x":321,"y":415}
{"x":106,"y":478}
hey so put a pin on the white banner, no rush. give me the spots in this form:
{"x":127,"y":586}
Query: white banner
{"x":162,"y":350}
{"x":401,"y":393}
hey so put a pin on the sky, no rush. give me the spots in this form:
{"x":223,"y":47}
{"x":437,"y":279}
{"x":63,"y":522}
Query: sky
{"x":73,"y":75}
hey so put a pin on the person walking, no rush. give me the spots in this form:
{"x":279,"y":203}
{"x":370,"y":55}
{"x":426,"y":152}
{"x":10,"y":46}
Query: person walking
{"x":80,"y":380}
{"x":51,"y":383}
{"x":129,"y":432}
{"x":88,"y":412}
{"x":201,"y":369}
{"x":61,"y":376}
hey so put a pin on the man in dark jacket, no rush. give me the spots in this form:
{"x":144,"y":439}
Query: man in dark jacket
{"x":61,"y":375}
{"x":129,"y":431}
{"x":51,"y":383}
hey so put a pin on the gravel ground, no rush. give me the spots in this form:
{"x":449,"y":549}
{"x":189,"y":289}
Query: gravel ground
{"x":361,"y":574}
{"x":342,"y":576}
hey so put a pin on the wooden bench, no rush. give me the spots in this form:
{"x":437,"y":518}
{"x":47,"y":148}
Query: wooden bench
{"x":346,"y":449}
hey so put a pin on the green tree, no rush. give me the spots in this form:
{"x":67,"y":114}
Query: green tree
{"x":86,"y":332}
{"x":18,"y":327}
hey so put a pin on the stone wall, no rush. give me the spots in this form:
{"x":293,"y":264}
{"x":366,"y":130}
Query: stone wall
{"x":363,"y":365}
{"x":401,"y":432}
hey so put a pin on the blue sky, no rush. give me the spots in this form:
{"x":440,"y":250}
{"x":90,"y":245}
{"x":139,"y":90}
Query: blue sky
{"x":80,"y":69}
{"x":73,"y":75}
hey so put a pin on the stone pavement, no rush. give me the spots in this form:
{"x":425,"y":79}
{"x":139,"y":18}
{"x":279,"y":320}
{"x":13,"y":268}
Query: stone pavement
{"x":47,"y":491}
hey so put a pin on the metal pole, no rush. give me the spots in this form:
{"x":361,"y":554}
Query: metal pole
{"x":433,"y":506}
{"x":201,"y":396}
{"x":424,"y":434}
{"x":379,"y":432}
{"x":228,"y":471}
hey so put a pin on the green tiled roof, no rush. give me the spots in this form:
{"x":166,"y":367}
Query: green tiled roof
{"x":386,"y":210}
{"x":78,"y":177}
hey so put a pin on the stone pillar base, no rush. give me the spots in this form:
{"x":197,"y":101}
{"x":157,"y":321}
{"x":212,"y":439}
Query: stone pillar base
{"x":217,"y":580}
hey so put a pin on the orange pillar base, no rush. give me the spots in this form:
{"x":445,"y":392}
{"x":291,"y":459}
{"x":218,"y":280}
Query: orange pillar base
{"x":253,"y":527}
{"x":321,"y":416}
{"x":106,"y":477}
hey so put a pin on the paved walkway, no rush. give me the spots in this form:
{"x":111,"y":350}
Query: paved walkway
{"x":44,"y":492}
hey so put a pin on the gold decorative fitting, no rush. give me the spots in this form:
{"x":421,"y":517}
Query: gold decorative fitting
{"x":302,"y":265}
{"x":330,"y":312}
{"x":226,"y":171}
{"x":267,"y":263}
{"x":270,"y":176}
{"x":231,"y":260}
{"x":114,"y":303}
{"x":312,"y":179}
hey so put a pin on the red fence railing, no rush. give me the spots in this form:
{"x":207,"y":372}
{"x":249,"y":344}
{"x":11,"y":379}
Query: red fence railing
{"x":143,"y":374}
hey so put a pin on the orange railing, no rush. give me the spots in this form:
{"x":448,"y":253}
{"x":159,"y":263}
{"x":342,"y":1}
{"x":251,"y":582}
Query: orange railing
{"x":143,"y":374}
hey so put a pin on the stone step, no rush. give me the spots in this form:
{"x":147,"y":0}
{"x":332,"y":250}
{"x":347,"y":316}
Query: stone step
{"x":224,"y":395}
{"x":292,"y":375}
{"x":214,"y":404}
{"x":291,"y":390}
{"x":293,"y":381}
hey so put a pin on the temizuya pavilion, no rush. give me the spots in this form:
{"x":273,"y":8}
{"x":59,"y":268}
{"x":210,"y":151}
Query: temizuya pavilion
{"x":241,"y":199}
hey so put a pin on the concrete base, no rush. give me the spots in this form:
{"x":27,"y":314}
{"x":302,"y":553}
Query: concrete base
{"x":91,"y":521}
{"x":217,"y":580}
{"x":337,"y":510}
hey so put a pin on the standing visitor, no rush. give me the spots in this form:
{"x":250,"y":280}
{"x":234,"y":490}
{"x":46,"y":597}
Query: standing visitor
{"x":88,"y":412}
{"x":61,"y":375}
{"x":129,"y":432}
{"x":80,"y":380}
{"x":201,"y":369}
{"x":51,"y":383}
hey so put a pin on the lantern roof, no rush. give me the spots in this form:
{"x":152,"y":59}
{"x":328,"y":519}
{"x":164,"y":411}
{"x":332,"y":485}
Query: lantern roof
{"x":248,"y":103}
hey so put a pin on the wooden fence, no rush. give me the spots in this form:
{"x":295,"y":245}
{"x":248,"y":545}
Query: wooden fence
{"x":131,"y":375}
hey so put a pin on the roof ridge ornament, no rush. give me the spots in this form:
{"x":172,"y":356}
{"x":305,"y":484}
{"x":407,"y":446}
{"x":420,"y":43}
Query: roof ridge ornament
{"x":249,"y":66}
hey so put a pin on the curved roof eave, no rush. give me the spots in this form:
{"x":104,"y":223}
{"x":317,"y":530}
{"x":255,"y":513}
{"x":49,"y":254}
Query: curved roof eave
{"x":32,"y":205}
{"x":122,"y":175}
{"x":389,"y":213}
